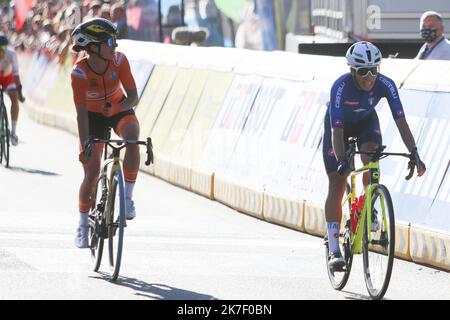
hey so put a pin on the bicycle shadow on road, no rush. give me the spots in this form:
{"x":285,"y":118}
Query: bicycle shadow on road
{"x":156,"y":291}
{"x":356,"y":296}
{"x":33,"y":171}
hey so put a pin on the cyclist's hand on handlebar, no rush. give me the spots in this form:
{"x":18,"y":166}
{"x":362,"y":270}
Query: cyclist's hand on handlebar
{"x":343,"y":168}
{"x":21,"y":97}
{"x":421,"y":168}
{"x":85,"y":154}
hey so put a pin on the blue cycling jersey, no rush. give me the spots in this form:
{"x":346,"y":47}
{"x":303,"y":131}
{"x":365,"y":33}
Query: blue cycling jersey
{"x":349,"y":105}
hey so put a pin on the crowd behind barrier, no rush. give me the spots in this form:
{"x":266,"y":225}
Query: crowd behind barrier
{"x":245,"y":127}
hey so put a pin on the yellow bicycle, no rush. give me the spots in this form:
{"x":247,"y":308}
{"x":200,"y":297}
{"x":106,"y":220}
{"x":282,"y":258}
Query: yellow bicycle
{"x":368,"y":226}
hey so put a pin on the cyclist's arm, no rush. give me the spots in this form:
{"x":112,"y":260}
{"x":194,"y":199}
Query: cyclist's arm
{"x":338,"y":143}
{"x":408,"y":140}
{"x":405,"y":133}
{"x":83,"y":124}
{"x":337,"y":120}
{"x":130,"y":101}
{"x":129,"y":85}
{"x":79,"y":88}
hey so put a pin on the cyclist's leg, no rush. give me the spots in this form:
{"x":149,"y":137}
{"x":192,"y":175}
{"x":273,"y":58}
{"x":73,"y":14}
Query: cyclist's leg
{"x":369,"y":138}
{"x":128,"y":128}
{"x":336,"y":189}
{"x":14,"y":97}
{"x":91,"y":170}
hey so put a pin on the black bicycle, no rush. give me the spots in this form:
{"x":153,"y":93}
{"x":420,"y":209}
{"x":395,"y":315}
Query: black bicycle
{"x":4,"y":131}
{"x":107,"y":217}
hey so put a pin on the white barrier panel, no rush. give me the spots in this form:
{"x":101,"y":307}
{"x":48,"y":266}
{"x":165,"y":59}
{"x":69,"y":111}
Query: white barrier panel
{"x":293,"y":137}
{"x":413,"y":199}
{"x":228,"y":126}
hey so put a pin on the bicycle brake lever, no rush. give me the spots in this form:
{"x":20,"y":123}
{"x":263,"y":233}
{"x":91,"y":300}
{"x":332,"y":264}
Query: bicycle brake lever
{"x":149,"y":152}
{"x":411,"y":167}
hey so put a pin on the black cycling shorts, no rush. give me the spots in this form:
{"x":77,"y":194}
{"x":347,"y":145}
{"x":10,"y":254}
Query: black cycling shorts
{"x":99,"y":124}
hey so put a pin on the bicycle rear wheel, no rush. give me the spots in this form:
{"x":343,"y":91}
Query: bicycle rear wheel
{"x":116,"y":224}
{"x":339,"y":278}
{"x":378,"y":252}
{"x":97,"y":224}
{"x":4,"y":138}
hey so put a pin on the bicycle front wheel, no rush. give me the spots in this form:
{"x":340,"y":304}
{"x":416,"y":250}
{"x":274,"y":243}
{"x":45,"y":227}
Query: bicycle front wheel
{"x":379,"y":243}
{"x":4,"y":139}
{"x":116,"y":224}
{"x":339,"y":278}
{"x":97,"y":224}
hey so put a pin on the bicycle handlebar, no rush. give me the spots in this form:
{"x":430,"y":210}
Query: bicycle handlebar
{"x":121,"y":144}
{"x":379,"y":154}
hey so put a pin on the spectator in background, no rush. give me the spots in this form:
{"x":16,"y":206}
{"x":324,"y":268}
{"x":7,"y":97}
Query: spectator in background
{"x":248,"y":34}
{"x":436,"y":46}
{"x":94,"y":10}
{"x":105,"y":11}
{"x":119,"y":18}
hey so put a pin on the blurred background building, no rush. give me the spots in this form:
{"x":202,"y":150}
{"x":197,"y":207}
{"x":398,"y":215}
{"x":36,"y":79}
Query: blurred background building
{"x":292,"y":25}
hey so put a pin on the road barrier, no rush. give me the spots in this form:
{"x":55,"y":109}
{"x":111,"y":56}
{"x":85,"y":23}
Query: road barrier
{"x":245,"y":128}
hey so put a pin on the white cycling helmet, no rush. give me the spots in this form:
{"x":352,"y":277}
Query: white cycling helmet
{"x":363,"y":54}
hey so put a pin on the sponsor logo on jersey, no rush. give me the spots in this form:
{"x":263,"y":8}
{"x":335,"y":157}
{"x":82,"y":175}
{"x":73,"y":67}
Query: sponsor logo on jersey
{"x":113,"y":75}
{"x":351,"y":103}
{"x":339,"y":92}
{"x":92,"y":94}
{"x":78,"y":72}
{"x":390,"y":86}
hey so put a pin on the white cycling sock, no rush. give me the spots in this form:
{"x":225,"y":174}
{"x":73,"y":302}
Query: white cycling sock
{"x":333,"y":237}
{"x":13,"y":127}
{"x":83,"y":219}
{"x":129,"y":186}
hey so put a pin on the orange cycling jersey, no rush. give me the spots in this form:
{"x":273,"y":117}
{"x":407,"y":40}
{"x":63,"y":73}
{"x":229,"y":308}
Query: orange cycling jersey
{"x":92,"y":90}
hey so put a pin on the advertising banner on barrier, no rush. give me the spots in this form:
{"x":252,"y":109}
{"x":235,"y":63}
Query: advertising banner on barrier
{"x":171,"y":108}
{"x":293,"y":137}
{"x":141,"y":71}
{"x":427,"y":116}
{"x":43,"y":74}
{"x":251,"y":153}
{"x":230,"y":122}
{"x":205,"y":115}
{"x":154,"y":96}
{"x":183,"y":118}
{"x":433,"y":141}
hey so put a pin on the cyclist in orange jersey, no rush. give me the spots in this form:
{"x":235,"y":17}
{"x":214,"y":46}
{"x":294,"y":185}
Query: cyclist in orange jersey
{"x":104,"y":92}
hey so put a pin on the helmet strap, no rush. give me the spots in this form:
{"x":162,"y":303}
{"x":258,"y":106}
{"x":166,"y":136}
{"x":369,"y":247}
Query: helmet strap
{"x":98,"y":53}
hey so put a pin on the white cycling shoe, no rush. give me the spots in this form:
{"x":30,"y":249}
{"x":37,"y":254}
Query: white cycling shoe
{"x":82,"y":237}
{"x":131,"y":211}
{"x":336,"y":261}
{"x":14,"y":139}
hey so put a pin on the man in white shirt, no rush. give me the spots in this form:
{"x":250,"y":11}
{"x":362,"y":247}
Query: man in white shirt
{"x":10,"y":81}
{"x":436,"y":46}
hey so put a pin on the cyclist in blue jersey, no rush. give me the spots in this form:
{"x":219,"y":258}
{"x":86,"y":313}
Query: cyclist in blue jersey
{"x":351,"y":113}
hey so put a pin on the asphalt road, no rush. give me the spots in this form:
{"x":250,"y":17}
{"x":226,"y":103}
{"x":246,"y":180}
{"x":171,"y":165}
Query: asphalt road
{"x":180,"y":246}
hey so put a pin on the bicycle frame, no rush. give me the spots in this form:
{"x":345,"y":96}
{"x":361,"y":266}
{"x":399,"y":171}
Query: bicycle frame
{"x":114,"y":159}
{"x":366,"y":212}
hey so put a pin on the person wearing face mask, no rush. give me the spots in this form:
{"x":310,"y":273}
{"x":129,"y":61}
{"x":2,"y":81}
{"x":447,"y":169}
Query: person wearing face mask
{"x":351,"y":113}
{"x":436,"y":46}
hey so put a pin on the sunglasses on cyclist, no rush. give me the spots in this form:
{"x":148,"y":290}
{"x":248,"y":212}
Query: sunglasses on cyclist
{"x":363,"y":71}
{"x":111,"y":42}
